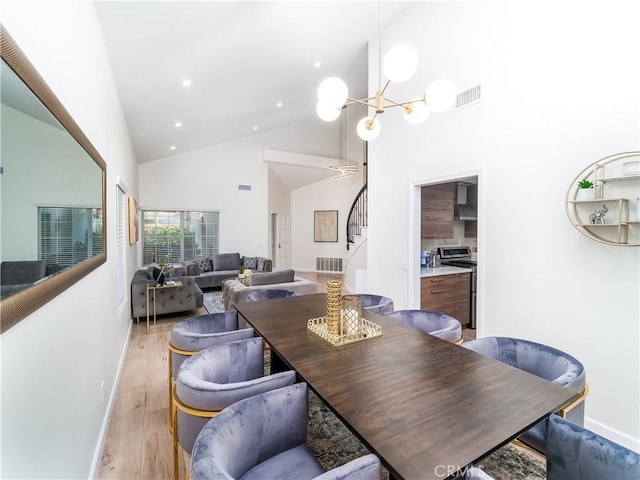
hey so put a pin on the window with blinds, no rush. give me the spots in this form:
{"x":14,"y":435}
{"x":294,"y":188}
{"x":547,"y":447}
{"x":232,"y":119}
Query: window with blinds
{"x":175,"y":236}
{"x":68,"y":235}
{"x":121,"y":229}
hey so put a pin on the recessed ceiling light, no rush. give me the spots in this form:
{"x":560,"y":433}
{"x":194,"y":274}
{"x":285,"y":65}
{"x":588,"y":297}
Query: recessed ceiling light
{"x":186,"y":83}
{"x":178,"y":124}
{"x":279,"y":104}
{"x":255,"y":128}
{"x":317,"y":65}
{"x":172,"y":147}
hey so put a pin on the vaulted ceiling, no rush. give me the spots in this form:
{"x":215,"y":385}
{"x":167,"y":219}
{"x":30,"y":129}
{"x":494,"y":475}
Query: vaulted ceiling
{"x":251,"y":64}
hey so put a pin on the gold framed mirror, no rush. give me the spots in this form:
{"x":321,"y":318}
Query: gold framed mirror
{"x":53,"y":192}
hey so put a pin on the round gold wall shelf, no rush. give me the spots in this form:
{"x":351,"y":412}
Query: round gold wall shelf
{"x":609,"y":212}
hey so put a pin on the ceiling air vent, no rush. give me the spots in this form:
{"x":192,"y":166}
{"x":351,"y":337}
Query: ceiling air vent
{"x":468,"y":97}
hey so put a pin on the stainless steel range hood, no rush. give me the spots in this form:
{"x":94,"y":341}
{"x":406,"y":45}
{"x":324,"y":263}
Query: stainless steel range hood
{"x":461,"y":210}
{"x":464,"y":212}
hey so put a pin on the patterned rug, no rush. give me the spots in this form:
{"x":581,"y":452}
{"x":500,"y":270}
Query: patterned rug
{"x":213,"y":301}
{"x":334,"y":445}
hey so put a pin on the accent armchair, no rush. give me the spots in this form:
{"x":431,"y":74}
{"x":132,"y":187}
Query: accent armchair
{"x":268,"y":294}
{"x":197,"y":333}
{"x":545,"y":362}
{"x":434,"y":323}
{"x":376,"y":303}
{"x":264,"y":437}
{"x":214,"y":378}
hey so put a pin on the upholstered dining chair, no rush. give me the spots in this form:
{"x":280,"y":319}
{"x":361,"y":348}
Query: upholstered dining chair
{"x":214,"y":378}
{"x":196,"y":333}
{"x":265,"y":437}
{"x":545,"y":362}
{"x":575,"y":453}
{"x":434,"y":323}
{"x":376,"y":303}
{"x":268,"y":294}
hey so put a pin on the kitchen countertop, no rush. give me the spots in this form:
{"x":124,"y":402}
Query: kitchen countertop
{"x":443,"y":270}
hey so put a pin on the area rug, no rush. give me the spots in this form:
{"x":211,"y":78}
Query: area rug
{"x":333,"y":444}
{"x":213,"y":301}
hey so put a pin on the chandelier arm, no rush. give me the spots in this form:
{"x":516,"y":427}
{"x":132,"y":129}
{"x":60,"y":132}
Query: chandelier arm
{"x":364,"y":101}
{"x":400,"y":104}
{"x":385,"y":87}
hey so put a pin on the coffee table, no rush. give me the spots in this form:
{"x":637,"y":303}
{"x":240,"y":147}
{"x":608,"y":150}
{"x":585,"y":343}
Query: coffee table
{"x":425,"y":406}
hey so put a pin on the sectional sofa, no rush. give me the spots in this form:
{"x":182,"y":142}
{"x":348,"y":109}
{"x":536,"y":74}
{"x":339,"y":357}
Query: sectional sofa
{"x":210,"y":272}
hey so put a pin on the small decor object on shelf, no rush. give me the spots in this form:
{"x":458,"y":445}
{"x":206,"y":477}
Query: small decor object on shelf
{"x":170,"y":269}
{"x":598,"y":216}
{"x":585,"y":183}
{"x":158,"y":275}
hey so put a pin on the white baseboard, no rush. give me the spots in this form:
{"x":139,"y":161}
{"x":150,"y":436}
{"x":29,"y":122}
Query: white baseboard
{"x":613,"y":434}
{"x":97,"y":454}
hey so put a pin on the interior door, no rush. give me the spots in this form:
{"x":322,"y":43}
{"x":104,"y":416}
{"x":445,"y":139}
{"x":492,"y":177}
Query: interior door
{"x":281,"y":241}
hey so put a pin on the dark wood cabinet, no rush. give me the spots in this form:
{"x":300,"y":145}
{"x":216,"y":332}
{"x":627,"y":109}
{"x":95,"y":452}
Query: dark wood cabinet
{"x":450,"y":294}
{"x":437,"y":211}
{"x":471,"y":226}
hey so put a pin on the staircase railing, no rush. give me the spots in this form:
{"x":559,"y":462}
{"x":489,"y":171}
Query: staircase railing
{"x":357,"y":215}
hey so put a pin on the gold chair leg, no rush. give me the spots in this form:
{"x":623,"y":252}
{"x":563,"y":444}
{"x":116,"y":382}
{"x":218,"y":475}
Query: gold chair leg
{"x":174,"y":416}
{"x":170,"y":362}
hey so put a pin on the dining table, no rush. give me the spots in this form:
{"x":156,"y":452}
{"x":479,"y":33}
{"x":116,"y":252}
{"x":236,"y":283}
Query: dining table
{"x":426,"y":407}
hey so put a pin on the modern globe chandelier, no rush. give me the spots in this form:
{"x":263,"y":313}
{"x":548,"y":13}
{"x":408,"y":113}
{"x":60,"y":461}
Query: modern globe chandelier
{"x":399,"y":65}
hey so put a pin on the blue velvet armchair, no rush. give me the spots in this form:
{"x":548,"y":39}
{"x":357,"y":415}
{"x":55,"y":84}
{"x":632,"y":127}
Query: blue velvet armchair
{"x":545,"y":362}
{"x":214,"y":378}
{"x":264,"y":437}
{"x":376,"y":303}
{"x":268,"y":294}
{"x":434,"y":323}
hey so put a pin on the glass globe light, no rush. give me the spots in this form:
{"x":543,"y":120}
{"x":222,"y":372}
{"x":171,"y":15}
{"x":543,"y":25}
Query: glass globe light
{"x":333,"y":91}
{"x":368,"y":129}
{"x":400,"y":63}
{"x":440,"y":95}
{"x":327,"y":112}
{"x":416,"y":112}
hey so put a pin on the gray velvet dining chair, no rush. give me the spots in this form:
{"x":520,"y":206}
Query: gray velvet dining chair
{"x":576,"y":453}
{"x":214,"y":378}
{"x":376,"y":303}
{"x":264,"y":437}
{"x":197,"y":333}
{"x":545,"y":362}
{"x":434,"y":323}
{"x":269,"y":294}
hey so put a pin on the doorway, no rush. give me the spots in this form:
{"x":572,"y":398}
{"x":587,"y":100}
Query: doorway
{"x":280,"y":240}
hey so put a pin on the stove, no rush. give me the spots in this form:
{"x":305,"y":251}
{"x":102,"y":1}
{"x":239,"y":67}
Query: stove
{"x":460,"y":256}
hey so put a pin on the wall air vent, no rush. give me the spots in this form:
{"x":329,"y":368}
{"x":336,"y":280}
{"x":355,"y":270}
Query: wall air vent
{"x":329,"y":264}
{"x":468,"y":97}
{"x":244,"y":187}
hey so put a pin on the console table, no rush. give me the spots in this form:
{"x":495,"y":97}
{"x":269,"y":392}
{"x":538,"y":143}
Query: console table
{"x":151,"y":292}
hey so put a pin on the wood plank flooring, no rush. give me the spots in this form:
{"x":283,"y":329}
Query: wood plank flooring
{"x":138,"y":443}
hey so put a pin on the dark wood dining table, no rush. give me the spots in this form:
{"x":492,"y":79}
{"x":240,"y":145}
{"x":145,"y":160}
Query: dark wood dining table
{"x":426,"y":407}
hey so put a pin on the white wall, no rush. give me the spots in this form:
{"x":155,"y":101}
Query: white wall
{"x":208,"y":179}
{"x":326,"y":195}
{"x":560,"y":92}
{"x":55,"y":360}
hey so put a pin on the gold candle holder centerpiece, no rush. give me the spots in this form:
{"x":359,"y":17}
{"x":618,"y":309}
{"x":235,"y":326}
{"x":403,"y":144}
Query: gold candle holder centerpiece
{"x":334,"y":307}
{"x":351,"y":314}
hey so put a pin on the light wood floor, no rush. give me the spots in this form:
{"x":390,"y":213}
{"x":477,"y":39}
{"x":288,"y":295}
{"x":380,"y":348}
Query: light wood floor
{"x":138,"y":444}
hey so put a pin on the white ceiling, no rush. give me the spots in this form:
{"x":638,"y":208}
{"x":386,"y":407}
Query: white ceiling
{"x":242,"y":58}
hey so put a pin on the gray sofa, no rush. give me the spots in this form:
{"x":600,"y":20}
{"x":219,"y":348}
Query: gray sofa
{"x":210,"y":272}
{"x":20,"y":274}
{"x":237,"y":292}
{"x":179,"y":299}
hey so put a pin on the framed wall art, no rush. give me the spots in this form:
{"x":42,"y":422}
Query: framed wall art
{"x":325,"y":227}
{"x":134,"y":231}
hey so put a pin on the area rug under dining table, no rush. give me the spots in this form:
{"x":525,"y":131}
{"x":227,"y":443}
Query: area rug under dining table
{"x":334,"y":444}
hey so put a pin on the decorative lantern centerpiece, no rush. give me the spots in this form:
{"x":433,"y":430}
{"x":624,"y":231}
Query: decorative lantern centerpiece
{"x":344,"y":322}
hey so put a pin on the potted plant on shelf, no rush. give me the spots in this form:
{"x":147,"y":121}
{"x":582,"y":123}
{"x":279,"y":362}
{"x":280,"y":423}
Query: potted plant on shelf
{"x":586,"y":190}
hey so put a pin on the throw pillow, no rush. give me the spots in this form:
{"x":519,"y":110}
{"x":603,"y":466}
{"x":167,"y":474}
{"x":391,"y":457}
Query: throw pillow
{"x":158,"y":275}
{"x":226,"y":261}
{"x":250,"y":262}
{"x":204,"y":264}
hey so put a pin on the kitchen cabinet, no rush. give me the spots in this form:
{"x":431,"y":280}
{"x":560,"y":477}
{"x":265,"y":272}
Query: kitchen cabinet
{"x":437,"y":211}
{"x":448,"y":294}
{"x":471,"y":226}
